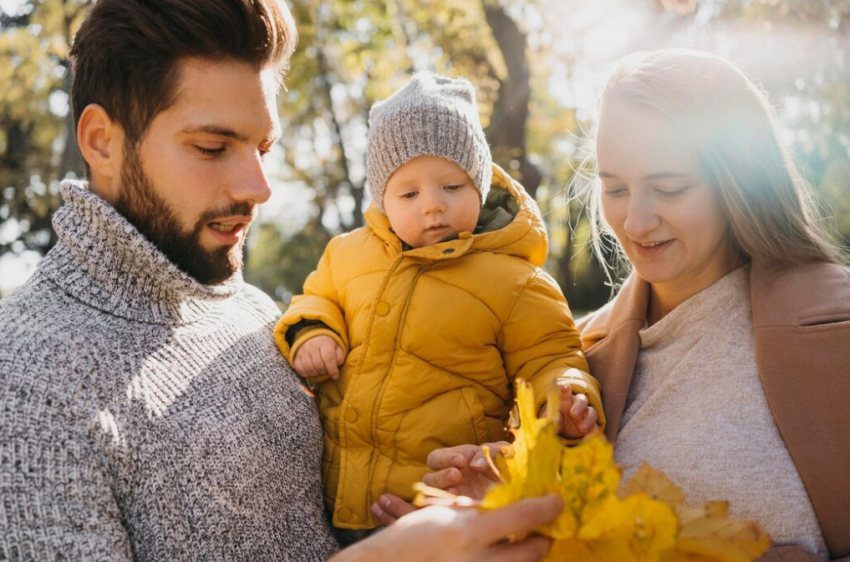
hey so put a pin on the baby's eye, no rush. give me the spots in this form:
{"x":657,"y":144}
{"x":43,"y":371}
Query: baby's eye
{"x":409,"y":194}
{"x":453,"y":187}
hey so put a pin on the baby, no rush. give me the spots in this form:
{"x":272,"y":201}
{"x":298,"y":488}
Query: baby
{"x":415,"y":326}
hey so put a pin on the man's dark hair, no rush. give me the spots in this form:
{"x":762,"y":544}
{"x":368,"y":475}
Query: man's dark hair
{"x":126,"y":52}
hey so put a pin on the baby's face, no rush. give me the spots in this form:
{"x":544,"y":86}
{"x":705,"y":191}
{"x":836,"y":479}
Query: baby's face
{"x":430,"y":199}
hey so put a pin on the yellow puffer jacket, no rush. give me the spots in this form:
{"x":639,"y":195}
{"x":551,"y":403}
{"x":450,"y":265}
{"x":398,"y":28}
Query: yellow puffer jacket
{"x":434,"y":338}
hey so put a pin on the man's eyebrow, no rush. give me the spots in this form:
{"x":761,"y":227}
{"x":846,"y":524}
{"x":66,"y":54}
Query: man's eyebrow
{"x":214,"y":130}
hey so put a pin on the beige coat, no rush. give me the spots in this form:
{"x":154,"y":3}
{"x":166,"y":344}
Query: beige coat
{"x":801,"y":319}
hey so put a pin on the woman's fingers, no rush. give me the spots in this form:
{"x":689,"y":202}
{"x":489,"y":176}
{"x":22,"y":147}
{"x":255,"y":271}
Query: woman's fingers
{"x":518,"y":519}
{"x":443,"y":479}
{"x":389,"y":508}
{"x":529,"y":550}
{"x":447,"y":457}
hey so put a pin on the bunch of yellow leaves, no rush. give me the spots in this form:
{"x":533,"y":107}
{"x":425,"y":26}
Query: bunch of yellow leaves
{"x":646,"y":521}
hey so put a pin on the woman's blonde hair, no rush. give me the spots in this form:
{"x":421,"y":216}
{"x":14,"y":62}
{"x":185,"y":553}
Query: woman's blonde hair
{"x":729,"y":122}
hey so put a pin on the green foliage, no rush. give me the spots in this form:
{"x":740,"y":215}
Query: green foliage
{"x":34,"y":120}
{"x":278,"y":265}
{"x":352,"y":52}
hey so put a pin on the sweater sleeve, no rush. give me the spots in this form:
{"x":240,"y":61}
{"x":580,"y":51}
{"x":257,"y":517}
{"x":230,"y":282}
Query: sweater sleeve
{"x":318,"y":305}
{"x":791,"y":553}
{"x":57,"y":496}
{"x":540,"y":343}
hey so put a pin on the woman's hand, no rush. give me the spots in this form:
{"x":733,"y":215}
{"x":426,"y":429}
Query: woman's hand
{"x":462,"y":535}
{"x":389,"y":508}
{"x":463,"y":470}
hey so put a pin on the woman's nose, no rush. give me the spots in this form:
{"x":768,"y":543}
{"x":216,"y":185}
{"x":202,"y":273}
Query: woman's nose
{"x":641,"y":218}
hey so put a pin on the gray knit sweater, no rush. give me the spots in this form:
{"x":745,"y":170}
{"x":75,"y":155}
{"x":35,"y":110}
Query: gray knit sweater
{"x":146,"y":416}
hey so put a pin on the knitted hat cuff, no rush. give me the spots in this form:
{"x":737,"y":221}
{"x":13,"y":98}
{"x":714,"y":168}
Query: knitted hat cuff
{"x":431,"y":116}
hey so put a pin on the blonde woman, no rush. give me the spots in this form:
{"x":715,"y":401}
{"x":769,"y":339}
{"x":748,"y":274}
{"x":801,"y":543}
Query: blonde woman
{"x":724,"y":359}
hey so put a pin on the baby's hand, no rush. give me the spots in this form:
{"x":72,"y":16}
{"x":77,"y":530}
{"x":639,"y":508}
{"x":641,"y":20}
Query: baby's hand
{"x":317,"y":357}
{"x":578,"y":417}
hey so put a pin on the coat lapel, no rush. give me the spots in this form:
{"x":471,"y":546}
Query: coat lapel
{"x":611,"y":345}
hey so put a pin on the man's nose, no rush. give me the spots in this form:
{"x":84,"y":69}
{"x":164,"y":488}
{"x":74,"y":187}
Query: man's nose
{"x":252,"y":183}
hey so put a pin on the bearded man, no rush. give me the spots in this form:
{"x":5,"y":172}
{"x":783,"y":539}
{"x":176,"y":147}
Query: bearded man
{"x":145,"y":412}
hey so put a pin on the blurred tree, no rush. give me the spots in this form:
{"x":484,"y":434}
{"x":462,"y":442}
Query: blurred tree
{"x":518,"y":53}
{"x":37,"y":143}
{"x":279,"y":264}
{"x":353,"y":53}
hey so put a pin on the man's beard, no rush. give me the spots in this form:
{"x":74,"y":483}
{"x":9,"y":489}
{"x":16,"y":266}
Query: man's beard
{"x":150,"y":214}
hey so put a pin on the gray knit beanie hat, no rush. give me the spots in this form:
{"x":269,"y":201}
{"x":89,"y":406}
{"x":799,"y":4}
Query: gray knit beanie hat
{"x":431,"y":115}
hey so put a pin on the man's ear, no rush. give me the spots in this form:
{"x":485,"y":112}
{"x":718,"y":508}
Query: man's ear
{"x":101,"y":142}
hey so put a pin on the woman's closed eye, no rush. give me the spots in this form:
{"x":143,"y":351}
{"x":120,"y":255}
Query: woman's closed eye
{"x":616,"y":191}
{"x":672,"y":192}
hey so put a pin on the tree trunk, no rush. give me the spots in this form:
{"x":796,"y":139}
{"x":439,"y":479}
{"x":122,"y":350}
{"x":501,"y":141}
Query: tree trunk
{"x":507,"y":129}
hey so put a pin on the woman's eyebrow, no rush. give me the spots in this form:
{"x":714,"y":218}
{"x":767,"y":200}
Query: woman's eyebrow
{"x":667,"y":175}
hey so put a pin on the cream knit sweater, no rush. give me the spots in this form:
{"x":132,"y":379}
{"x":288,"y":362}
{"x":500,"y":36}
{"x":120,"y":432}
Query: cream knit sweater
{"x":696,"y":410}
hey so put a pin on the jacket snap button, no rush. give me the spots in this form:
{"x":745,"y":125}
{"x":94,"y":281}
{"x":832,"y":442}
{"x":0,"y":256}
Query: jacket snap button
{"x":351,"y":415}
{"x":382,"y":308}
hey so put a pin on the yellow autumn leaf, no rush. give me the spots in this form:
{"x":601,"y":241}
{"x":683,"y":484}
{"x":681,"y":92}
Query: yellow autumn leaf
{"x":709,"y":535}
{"x":589,"y":477}
{"x":645,"y":520}
{"x":586,"y":478}
{"x":531,"y":468}
{"x":654,"y":483}
{"x":636,"y":529}
{"x":706,"y":534}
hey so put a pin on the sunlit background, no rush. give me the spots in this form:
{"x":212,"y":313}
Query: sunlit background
{"x":550,"y":57}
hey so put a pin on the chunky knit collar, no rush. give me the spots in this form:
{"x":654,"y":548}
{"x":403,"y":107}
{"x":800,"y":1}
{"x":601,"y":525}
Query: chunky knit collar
{"x":102,"y":260}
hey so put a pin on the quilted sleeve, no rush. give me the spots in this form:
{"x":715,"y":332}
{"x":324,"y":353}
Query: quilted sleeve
{"x":541,"y":344}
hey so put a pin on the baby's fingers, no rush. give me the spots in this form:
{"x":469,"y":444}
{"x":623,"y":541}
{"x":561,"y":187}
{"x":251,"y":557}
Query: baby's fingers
{"x":313,"y":362}
{"x":328,"y":358}
{"x":590,"y":420}
{"x":303,"y":366}
{"x":579,"y":406}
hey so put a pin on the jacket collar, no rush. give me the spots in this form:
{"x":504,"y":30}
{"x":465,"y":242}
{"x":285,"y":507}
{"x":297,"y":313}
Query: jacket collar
{"x":104,"y":261}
